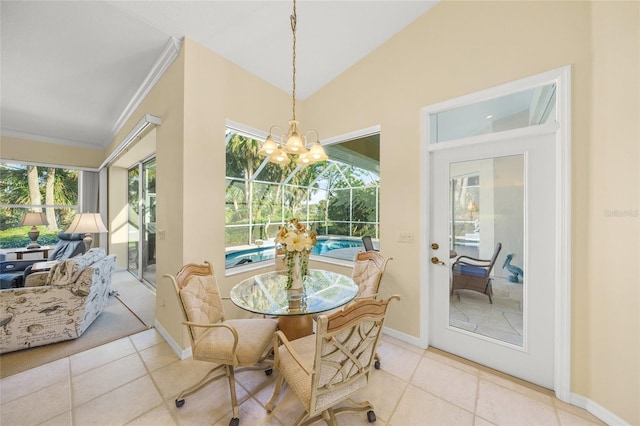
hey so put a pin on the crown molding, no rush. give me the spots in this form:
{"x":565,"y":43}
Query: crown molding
{"x":169,"y":54}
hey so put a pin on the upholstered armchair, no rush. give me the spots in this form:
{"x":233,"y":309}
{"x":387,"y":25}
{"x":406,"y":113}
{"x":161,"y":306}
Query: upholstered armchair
{"x":75,"y":293}
{"x":231,"y":345}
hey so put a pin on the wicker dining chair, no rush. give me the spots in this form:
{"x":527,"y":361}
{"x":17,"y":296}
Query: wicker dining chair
{"x":328,"y":368}
{"x":368,"y":268}
{"x":233,"y":345}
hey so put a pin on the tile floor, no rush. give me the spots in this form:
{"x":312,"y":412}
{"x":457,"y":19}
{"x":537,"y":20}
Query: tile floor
{"x":133,"y":381}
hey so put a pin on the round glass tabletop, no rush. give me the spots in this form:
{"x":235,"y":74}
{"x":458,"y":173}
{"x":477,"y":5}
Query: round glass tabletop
{"x":266,"y":294}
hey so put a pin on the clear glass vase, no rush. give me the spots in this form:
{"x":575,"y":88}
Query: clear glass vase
{"x":296,"y":269}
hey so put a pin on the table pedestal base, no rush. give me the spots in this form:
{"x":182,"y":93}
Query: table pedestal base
{"x":296,"y":326}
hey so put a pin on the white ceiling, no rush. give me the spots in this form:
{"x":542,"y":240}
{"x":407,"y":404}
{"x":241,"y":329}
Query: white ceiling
{"x":71,"y":70}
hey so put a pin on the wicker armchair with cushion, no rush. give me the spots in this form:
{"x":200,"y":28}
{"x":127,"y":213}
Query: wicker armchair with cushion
{"x":327,"y":368}
{"x":469,"y":273}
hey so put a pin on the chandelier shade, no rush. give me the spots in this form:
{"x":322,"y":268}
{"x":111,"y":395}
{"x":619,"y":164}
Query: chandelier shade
{"x":268,"y":147}
{"x":293,"y":144}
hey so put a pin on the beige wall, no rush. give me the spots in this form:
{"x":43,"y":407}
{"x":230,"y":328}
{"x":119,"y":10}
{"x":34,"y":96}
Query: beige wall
{"x":609,"y":310}
{"x":117,"y":215}
{"x":462,"y":47}
{"x":39,"y":152}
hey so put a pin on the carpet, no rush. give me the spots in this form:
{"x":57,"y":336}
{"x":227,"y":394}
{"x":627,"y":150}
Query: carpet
{"x":115,"y":322}
{"x":139,"y":298}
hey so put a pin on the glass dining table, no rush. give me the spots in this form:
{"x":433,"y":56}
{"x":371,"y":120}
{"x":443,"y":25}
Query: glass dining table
{"x":266,"y":294}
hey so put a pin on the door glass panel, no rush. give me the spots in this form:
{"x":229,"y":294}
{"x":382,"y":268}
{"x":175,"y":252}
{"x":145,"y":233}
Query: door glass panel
{"x":530,"y":107}
{"x":487,"y":210}
{"x":149,"y":223}
{"x":133,"y":218}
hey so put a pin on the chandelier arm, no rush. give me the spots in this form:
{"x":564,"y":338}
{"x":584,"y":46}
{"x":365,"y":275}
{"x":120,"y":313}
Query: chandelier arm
{"x":307,"y":133}
{"x":275,"y":126}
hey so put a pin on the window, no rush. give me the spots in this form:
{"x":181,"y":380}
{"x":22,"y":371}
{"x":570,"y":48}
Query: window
{"x":532,"y":107}
{"x":47,"y":189}
{"x":338,"y":198}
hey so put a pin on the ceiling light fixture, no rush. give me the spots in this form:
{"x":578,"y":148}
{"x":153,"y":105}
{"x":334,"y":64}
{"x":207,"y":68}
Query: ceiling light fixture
{"x":296,"y":144}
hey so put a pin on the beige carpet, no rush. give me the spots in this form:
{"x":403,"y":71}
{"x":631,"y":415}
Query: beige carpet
{"x":115,"y":322}
{"x":136,"y":296}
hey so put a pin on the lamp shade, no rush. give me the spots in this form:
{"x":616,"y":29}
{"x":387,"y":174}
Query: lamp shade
{"x":33,"y":219}
{"x":86,"y":223}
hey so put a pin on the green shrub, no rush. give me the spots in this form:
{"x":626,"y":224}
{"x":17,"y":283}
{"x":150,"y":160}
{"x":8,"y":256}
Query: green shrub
{"x":19,"y":237}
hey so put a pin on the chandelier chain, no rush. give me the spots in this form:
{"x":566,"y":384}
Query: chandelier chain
{"x":293,"y":29}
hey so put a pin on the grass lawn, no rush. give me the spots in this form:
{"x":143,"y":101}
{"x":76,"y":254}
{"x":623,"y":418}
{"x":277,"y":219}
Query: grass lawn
{"x":19,"y":237}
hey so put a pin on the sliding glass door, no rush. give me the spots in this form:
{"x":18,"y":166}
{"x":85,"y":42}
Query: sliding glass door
{"x":142,"y":221}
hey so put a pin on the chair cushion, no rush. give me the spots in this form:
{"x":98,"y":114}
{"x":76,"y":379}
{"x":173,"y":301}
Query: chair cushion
{"x":254,"y":337}
{"x":296,"y":377}
{"x":202,"y":302}
{"x":367,"y":276}
{"x":473,"y":271}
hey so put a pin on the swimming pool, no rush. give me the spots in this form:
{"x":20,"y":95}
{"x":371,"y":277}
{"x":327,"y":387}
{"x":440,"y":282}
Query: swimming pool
{"x":336,"y":247}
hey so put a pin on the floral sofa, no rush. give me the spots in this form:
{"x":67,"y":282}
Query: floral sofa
{"x":74,"y":293}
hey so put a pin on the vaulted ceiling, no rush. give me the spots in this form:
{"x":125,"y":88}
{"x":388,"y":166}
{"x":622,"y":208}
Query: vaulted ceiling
{"x":72,"y":70}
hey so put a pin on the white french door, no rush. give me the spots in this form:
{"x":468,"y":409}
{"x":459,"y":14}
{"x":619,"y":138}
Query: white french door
{"x":497,"y":191}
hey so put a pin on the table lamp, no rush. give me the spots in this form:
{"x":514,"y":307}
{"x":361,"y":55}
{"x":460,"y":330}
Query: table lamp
{"x":87,"y":223}
{"x":33,"y":219}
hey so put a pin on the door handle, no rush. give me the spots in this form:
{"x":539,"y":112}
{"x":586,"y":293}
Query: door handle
{"x":437,"y":261}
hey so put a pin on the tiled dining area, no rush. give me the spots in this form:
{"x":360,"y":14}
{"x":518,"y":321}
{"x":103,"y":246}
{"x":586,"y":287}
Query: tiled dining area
{"x":134,"y":380}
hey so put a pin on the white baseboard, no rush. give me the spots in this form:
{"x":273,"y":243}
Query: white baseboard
{"x":182,"y":353}
{"x":597,"y":410}
{"x":406,"y":338}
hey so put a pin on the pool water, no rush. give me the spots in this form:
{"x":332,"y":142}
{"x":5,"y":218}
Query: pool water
{"x":324,"y":247}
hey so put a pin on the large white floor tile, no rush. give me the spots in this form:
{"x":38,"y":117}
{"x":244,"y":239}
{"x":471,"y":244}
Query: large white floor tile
{"x":419,"y":407}
{"x":503,"y":406}
{"x":38,"y":406}
{"x":449,"y":383}
{"x":30,"y":381}
{"x":121,"y":405}
{"x":92,"y":358}
{"x":103,"y":379}
{"x":397,"y":360}
{"x":159,"y":416}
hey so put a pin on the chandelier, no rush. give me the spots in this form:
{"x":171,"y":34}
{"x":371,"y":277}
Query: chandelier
{"x":296,"y":144}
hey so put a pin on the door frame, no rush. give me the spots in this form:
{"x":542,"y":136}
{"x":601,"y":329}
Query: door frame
{"x":562,"y":294}
{"x":139,"y":273}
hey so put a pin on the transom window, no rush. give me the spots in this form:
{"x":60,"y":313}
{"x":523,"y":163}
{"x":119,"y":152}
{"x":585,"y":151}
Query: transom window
{"x":338,"y":198}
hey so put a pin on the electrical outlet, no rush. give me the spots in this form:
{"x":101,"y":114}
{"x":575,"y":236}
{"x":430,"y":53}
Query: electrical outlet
{"x":162,"y":234}
{"x":405,"y":237}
